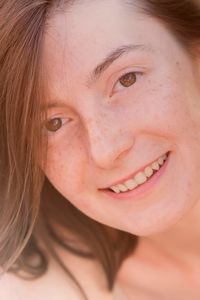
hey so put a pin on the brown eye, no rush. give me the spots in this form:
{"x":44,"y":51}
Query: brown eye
{"x":128,"y":79}
{"x":54,"y":124}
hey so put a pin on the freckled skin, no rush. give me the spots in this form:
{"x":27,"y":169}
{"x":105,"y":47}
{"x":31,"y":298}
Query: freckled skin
{"x":111,"y":137}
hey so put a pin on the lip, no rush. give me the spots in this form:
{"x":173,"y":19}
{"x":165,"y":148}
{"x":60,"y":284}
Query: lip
{"x":133,"y":174}
{"x":142,"y":189}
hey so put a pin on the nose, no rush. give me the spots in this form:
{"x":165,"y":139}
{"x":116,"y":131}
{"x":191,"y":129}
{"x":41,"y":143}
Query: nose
{"x":108,"y":141}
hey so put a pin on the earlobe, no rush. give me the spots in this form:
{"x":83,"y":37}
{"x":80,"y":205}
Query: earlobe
{"x":198,"y":66}
{"x":198,"y":56}
{"x":197,"y":59}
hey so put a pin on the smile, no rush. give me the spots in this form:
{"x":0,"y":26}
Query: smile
{"x":141,"y":177}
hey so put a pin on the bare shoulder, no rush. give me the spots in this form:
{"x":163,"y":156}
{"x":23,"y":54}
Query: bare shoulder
{"x":55,"y":284}
{"x":45,"y":287}
{"x":89,"y":274}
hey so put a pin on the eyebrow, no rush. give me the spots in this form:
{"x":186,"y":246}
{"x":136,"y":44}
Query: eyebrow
{"x":113,"y":56}
{"x":105,"y":64}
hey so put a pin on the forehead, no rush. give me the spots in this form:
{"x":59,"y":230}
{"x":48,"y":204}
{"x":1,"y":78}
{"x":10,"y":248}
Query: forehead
{"x":80,"y":37}
{"x":86,"y":25}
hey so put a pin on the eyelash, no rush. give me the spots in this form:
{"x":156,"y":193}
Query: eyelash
{"x":52,"y":132}
{"x":122,"y":76}
{"x":118,"y":81}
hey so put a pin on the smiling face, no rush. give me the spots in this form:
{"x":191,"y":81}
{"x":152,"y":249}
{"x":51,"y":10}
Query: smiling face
{"x":126,"y":93}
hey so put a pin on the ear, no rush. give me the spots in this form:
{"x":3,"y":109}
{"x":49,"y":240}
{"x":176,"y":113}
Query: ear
{"x":198,"y":62}
{"x":198,"y":49}
{"x":196,"y":54}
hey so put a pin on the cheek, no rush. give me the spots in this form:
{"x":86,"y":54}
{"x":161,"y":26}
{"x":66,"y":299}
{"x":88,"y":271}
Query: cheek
{"x":65,"y":165}
{"x":169,"y":100}
{"x":167,"y":108}
{"x":69,"y":179}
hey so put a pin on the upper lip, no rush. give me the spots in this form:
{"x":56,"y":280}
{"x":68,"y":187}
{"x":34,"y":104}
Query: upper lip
{"x":134,"y":173}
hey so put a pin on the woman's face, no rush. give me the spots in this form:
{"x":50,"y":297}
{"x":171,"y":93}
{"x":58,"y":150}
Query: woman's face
{"x":112,"y":126}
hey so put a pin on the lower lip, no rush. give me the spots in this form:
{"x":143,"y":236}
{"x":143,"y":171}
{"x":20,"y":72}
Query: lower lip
{"x":142,"y":189}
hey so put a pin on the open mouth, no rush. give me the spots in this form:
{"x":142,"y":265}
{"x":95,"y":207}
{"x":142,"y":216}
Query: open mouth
{"x":143,"y":178}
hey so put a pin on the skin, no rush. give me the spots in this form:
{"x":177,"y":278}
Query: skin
{"x":110,"y":131}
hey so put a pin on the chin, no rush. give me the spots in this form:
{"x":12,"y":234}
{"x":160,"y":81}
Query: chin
{"x":149,"y":226}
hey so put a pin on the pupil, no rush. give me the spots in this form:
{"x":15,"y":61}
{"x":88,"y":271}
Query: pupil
{"x":54,"y":124}
{"x":128,"y":79}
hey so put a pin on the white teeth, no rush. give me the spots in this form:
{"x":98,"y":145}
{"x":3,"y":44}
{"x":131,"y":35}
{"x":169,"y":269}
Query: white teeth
{"x":122,"y":187}
{"x":131,"y":184}
{"x":140,"y":178}
{"x":155,"y":166}
{"x":148,"y":171}
{"x":115,"y":189}
{"x":161,"y":161}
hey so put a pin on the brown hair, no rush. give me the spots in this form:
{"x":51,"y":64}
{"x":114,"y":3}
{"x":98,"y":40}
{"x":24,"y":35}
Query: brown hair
{"x":24,"y":218}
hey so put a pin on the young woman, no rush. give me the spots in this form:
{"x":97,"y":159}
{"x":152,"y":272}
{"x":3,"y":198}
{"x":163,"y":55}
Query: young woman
{"x":100,"y":149}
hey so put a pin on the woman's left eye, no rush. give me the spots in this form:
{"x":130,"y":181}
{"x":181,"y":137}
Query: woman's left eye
{"x":126,"y":81}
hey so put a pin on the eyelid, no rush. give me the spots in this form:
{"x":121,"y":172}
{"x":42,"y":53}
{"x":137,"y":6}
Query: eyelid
{"x":59,"y":115}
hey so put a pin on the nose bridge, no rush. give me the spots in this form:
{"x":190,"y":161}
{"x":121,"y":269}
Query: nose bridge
{"x":107,"y":138}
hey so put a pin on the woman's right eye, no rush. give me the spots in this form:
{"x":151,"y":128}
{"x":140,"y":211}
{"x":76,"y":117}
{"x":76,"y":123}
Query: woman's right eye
{"x":54,"y":124}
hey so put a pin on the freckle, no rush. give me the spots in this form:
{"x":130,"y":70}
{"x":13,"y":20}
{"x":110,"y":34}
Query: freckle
{"x":178,"y":65}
